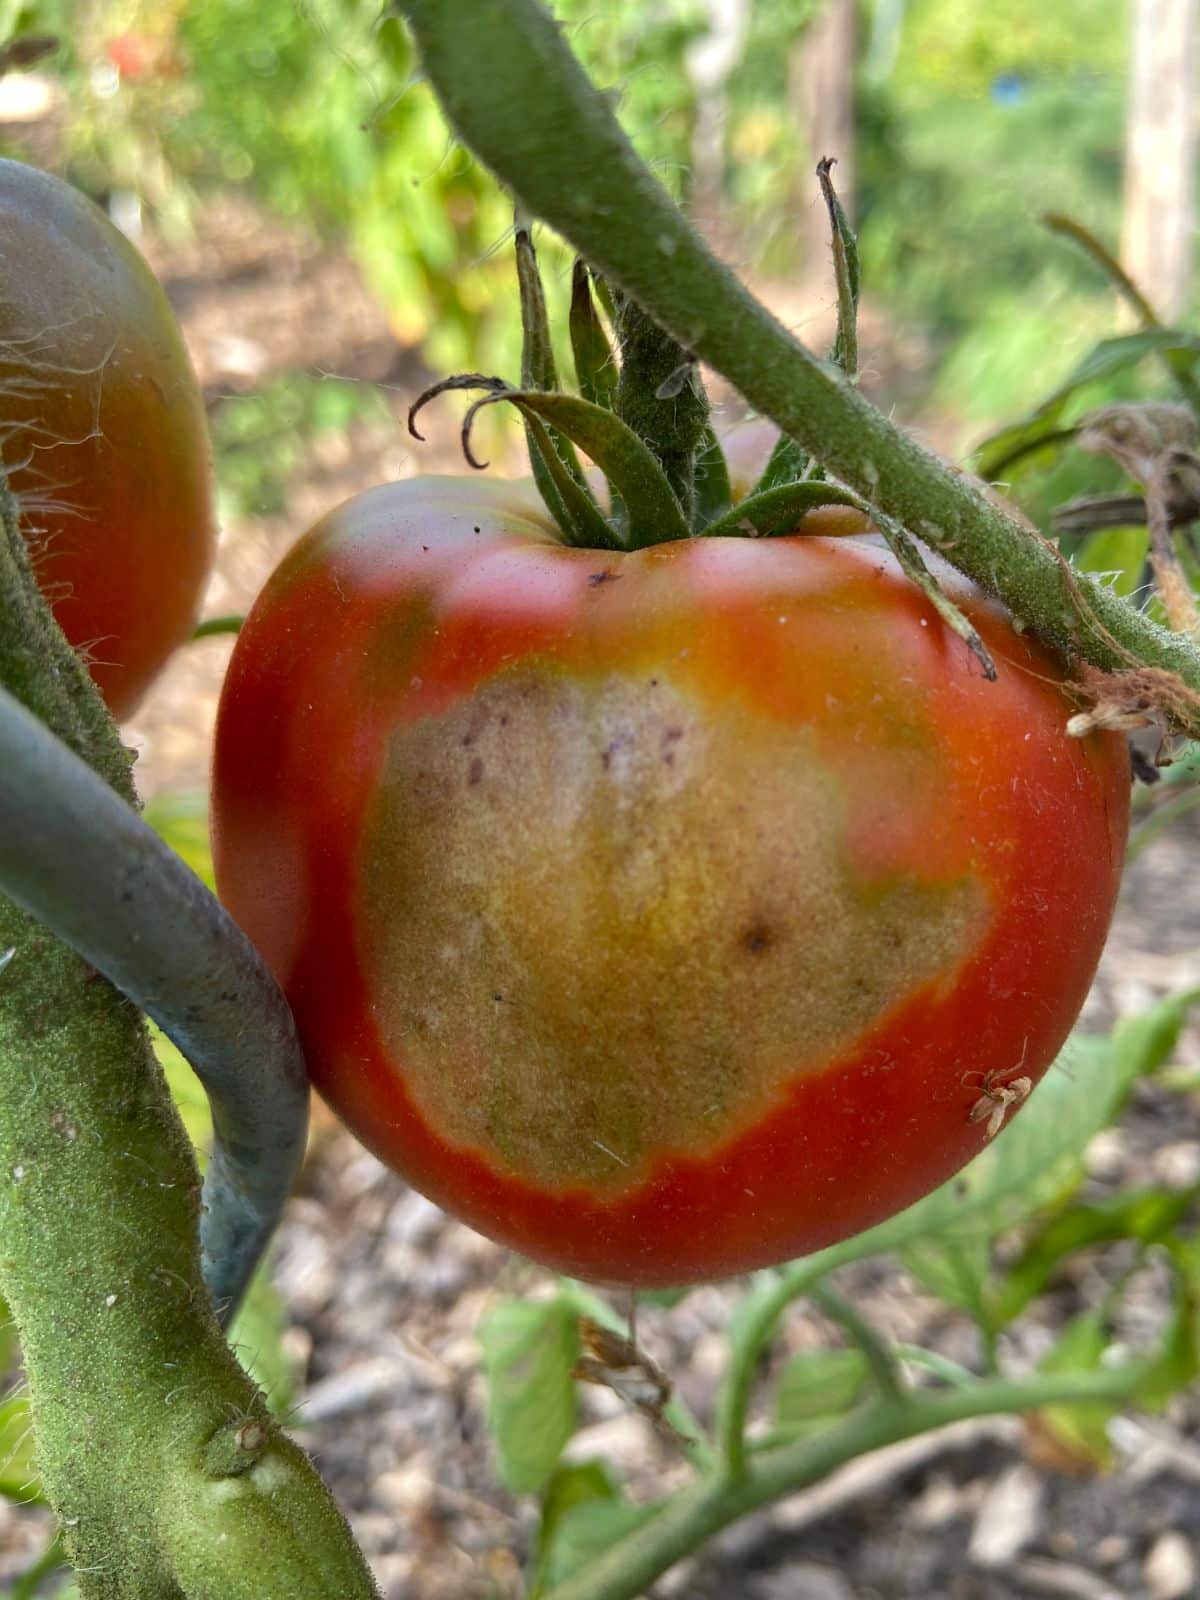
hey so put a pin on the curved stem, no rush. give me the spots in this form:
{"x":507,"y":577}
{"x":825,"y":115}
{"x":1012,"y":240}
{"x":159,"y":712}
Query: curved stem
{"x":628,"y":1568}
{"x":82,"y":861}
{"x":553,"y":139}
{"x":882,"y":1358}
{"x":757,"y":1319}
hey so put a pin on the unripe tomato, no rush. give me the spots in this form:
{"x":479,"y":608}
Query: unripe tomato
{"x":102,"y":433}
{"x":661,"y":914}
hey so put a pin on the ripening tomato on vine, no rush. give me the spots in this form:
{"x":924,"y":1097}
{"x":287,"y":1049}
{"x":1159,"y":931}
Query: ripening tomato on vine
{"x":664,"y":882}
{"x":103,"y":434}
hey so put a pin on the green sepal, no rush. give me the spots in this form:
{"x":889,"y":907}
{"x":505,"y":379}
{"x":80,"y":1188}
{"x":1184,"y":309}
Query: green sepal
{"x":538,"y":371}
{"x":777,"y":511}
{"x":787,"y":463}
{"x":712,"y":491}
{"x":654,"y":513}
{"x":581,"y":520}
{"x":595,"y":360}
{"x":846,"y":272}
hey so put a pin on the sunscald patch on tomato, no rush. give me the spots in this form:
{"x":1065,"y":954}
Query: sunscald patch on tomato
{"x":629,"y":922}
{"x":660,"y":914}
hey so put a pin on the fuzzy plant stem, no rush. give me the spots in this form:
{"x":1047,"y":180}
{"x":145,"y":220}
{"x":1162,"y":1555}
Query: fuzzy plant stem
{"x":170,"y":1479}
{"x":517,"y":96}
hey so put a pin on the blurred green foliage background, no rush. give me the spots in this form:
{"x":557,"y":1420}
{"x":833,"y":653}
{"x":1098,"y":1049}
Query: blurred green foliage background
{"x":971,"y":120}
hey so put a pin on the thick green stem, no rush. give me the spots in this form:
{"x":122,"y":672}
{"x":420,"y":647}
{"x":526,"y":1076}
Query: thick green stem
{"x":553,"y":139}
{"x":628,"y":1568}
{"x":130,"y":1377}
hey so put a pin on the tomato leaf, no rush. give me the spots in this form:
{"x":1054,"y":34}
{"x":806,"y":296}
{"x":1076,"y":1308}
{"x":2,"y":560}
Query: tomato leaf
{"x":8,"y":1340}
{"x":257,"y":1338}
{"x":529,"y":1349}
{"x":777,"y":511}
{"x":18,"y":1474}
{"x":1042,"y":427}
{"x":953,"y":1268}
{"x":1115,"y":550}
{"x":181,"y":820}
{"x":1147,"y":1215}
{"x":584,"y":1513}
{"x":818,"y":1385}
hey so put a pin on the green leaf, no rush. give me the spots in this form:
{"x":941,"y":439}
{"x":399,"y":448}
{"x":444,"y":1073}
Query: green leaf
{"x":1081,"y":1428}
{"x":817,"y":1385}
{"x":1147,"y":1042}
{"x":777,"y":511}
{"x":584,"y":1513}
{"x":1042,"y":427}
{"x":529,"y":1349}
{"x":18,"y":1474}
{"x":187,"y":1092}
{"x":257,"y":1338}
{"x":1119,"y":550}
{"x":8,"y":1341}
{"x":181,"y":820}
{"x":787,"y":463}
{"x":954,"y":1268}
{"x":1147,"y":1215}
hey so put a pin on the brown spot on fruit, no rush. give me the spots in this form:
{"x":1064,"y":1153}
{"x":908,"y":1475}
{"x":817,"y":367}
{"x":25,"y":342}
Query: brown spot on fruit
{"x":475,"y":770}
{"x":600,"y":892}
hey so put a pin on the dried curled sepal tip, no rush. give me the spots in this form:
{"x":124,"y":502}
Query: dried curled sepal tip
{"x":613,"y":1362}
{"x":1134,"y":697}
{"x":461,"y":380}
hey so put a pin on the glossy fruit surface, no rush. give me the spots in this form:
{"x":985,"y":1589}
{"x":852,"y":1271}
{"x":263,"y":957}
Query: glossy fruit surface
{"x":661,"y":914}
{"x":102,"y":433}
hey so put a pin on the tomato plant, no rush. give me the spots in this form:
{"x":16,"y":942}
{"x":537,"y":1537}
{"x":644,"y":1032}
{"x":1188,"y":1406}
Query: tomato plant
{"x":103,"y":431}
{"x":665,"y":912}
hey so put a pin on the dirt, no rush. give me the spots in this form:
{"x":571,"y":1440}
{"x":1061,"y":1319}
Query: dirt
{"x":384,"y":1293}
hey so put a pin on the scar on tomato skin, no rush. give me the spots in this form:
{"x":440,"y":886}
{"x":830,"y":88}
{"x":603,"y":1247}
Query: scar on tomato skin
{"x":475,"y":771}
{"x":757,"y":937}
{"x":595,"y":579}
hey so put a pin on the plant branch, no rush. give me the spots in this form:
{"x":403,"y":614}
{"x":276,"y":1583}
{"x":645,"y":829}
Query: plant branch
{"x":694,"y":1515}
{"x":554,"y":140}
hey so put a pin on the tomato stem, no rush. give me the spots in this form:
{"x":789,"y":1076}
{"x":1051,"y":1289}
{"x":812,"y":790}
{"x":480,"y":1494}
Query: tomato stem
{"x":555,"y":141}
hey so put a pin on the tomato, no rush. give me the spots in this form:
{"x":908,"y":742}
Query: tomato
{"x":662,"y":914}
{"x":103,"y":432}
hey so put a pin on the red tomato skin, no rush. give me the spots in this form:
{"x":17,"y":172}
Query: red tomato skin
{"x":408,"y":606}
{"x":103,"y":434}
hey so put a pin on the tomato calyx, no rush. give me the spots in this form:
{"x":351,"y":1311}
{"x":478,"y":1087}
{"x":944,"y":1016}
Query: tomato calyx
{"x":642,"y":416}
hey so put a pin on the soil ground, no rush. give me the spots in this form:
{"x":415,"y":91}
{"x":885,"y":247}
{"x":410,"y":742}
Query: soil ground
{"x":384,"y":1293}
